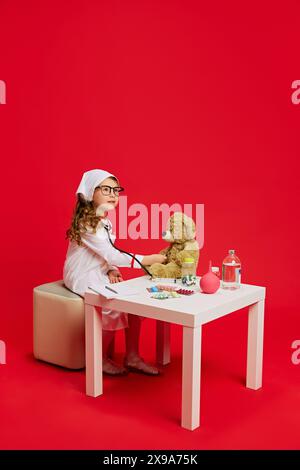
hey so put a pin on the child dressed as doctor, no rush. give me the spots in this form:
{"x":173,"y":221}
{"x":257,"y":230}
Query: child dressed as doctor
{"x":91,"y":260}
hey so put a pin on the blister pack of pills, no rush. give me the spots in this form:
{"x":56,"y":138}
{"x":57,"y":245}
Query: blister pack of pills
{"x":167,"y":288}
{"x":185,"y":291}
{"x":160,"y":295}
{"x":164,"y":295}
{"x":153,"y":289}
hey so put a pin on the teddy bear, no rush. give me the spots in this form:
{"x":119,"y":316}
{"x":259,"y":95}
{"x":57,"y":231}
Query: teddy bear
{"x":180,"y":233}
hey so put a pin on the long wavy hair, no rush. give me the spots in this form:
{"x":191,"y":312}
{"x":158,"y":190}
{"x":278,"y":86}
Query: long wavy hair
{"x":84,"y":215}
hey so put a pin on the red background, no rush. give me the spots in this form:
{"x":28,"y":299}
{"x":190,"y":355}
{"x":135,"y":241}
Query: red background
{"x":185,"y":102}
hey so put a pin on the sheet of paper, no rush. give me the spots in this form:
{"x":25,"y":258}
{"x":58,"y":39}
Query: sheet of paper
{"x":120,"y":288}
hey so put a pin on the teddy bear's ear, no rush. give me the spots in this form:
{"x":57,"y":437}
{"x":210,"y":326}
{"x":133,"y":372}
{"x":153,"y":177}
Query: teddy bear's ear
{"x":170,"y":222}
{"x":177,"y":226}
{"x":190,"y":228}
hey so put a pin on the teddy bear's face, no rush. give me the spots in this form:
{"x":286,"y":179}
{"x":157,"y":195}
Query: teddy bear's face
{"x":179,"y":228}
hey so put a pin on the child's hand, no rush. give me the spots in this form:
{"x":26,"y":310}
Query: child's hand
{"x":148,"y":260}
{"x":114,"y":276}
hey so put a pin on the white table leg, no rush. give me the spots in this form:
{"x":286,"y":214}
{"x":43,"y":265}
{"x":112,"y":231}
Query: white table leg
{"x":255,"y":345}
{"x":191,"y":372}
{"x":93,"y":351}
{"x":162,"y":342}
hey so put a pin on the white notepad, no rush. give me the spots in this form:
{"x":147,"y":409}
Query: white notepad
{"x":120,"y":289}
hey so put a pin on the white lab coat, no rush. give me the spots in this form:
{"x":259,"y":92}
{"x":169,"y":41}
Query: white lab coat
{"x":87,"y":266}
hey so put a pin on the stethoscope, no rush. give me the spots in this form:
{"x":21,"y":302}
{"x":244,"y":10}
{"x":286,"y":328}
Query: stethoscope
{"x":108,"y":227}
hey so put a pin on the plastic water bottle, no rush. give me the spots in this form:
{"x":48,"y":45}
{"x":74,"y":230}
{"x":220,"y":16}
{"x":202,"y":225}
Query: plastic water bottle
{"x":231,"y":271}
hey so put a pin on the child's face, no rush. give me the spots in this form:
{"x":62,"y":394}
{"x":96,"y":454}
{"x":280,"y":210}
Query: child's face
{"x":100,"y":196}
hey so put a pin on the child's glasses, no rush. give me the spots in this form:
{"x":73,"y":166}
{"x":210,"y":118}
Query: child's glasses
{"x":106,"y":190}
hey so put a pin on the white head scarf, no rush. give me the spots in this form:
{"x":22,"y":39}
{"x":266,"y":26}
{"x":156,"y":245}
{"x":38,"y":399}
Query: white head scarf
{"x":90,"y":180}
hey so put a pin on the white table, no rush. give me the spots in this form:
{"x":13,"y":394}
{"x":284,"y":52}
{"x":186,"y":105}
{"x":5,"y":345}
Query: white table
{"x":189,"y":311}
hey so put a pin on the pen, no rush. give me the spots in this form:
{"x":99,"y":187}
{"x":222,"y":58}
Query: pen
{"x":109,"y":288}
{"x":115,"y":292}
{"x":94,"y":290}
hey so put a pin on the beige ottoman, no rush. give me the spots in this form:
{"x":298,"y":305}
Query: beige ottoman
{"x":58,"y":325}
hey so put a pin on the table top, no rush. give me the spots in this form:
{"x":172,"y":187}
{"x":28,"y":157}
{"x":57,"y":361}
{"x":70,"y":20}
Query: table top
{"x":192,"y":310}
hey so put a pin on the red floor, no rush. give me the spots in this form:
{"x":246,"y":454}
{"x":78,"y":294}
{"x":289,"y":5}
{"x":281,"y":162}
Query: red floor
{"x":45,"y":407}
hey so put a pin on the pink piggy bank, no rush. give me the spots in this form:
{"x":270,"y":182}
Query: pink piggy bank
{"x":209,"y":283}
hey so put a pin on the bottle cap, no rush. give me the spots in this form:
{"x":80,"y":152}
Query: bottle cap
{"x":232,"y":252}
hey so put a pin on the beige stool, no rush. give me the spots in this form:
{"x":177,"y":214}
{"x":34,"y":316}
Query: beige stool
{"x":58,"y":325}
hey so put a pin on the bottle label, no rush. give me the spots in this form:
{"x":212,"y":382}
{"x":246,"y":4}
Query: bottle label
{"x":231,"y":274}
